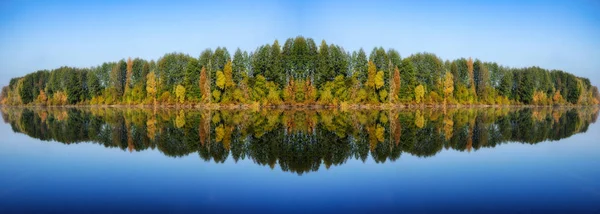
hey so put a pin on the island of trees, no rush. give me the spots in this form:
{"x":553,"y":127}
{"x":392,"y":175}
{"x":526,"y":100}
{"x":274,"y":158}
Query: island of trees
{"x":300,"y":73}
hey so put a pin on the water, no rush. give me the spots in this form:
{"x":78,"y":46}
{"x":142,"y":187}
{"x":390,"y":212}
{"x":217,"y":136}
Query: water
{"x":502,"y":160}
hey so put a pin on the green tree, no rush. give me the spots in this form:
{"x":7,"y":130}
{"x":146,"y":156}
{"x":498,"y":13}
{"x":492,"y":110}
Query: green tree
{"x":408,"y":80}
{"x":191,"y":79}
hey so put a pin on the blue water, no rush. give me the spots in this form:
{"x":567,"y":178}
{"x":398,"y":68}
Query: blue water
{"x":548,"y":177}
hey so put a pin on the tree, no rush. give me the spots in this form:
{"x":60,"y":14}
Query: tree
{"x":505,"y":87}
{"x":238,"y":66}
{"x":306,"y":72}
{"x":419,"y":93}
{"x":190,"y":80}
{"x":129,"y":74}
{"x":395,"y":85}
{"x":93,"y":83}
{"x":275,"y":72}
{"x":360,"y":65}
{"x":448,"y":86}
{"x":372,"y":72}
{"x":324,"y":71}
{"x":75,"y":89}
{"x":408,"y":80}
{"x":228,"y":73}
{"x":220,"y":82}
{"x":42,"y":98}
{"x":151,"y":86}
{"x":117,"y":79}
{"x":481,"y":78}
{"x":525,"y":89}
{"x":471,"y":76}
{"x":25,"y":92}
{"x":180,"y":93}
{"x":204,"y":84}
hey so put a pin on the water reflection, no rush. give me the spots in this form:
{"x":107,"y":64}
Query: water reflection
{"x":299,"y":141}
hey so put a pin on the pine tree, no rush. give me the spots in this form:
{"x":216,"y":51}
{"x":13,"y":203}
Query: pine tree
{"x":192,"y":76}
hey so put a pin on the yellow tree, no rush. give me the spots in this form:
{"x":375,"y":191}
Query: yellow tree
{"x":372,"y":72}
{"x":42,"y":98}
{"x":180,"y":93}
{"x":151,"y":86}
{"x":419,"y":93}
{"x":204,"y":86}
{"x":228,"y":73}
{"x":448,"y":86}
{"x":220,"y":81}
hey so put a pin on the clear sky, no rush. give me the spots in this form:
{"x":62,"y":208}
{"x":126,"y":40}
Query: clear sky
{"x":40,"y":34}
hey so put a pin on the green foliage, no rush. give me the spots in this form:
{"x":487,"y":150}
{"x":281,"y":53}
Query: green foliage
{"x":408,"y":81}
{"x":299,"y":72}
{"x":191,"y":79}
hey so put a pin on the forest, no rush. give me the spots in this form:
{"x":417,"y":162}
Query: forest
{"x":299,"y":73}
{"x":300,"y":141}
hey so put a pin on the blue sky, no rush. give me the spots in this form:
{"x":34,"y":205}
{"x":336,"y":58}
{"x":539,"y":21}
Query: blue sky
{"x":39,"y":34}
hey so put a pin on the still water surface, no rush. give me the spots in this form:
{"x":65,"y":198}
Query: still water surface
{"x":117,"y":160}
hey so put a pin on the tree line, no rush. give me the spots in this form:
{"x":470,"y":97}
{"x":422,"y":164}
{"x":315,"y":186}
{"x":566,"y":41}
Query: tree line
{"x":299,"y":73}
{"x":300,"y":141}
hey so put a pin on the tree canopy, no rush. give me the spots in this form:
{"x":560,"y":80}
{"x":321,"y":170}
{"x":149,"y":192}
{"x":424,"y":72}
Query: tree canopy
{"x":300,"y":72}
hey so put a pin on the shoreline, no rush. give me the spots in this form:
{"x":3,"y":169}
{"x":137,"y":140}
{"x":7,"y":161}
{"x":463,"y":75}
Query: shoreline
{"x":301,"y":107}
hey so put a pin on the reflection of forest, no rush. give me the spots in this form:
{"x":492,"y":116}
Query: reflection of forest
{"x":300,"y":140}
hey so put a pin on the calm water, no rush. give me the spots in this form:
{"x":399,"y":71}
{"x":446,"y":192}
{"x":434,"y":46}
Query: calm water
{"x":543,"y":160}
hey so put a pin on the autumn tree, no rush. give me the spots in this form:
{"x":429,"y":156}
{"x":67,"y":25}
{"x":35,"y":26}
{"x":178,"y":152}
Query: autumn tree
{"x":448,"y":86}
{"x":395,"y":86}
{"x":128,"y":75}
{"x":180,"y":93}
{"x":151,"y":86}
{"x":204,"y":84}
{"x":419,"y":93}
{"x":471,"y":76}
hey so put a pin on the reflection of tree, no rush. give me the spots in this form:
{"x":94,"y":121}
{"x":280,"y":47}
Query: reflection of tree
{"x":299,"y":141}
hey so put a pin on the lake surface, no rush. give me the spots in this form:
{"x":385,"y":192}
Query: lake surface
{"x":118,"y":160}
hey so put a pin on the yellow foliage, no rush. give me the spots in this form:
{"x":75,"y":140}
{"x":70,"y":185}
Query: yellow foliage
{"x":380,"y":133}
{"x":557,"y":97}
{"x":180,"y":119}
{"x":216,"y":95}
{"x":151,"y":85}
{"x":42,"y":98}
{"x":448,"y":128}
{"x":448,"y":85}
{"x":540,"y":98}
{"x":379,"y":80}
{"x":228,"y":75}
{"x":59,"y":98}
{"x":383,"y":94}
{"x":220,"y":132}
{"x":180,"y":93}
{"x":419,"y":119}
{"x":372,"y":72}
{"x":204,"y":85}
{"x":151,"y":128}
{"x":419,"y":93}
{"x":220,"y":80}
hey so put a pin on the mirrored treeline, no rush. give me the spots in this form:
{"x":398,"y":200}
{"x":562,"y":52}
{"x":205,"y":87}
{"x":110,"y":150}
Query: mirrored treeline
{"x":299,"y":141}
